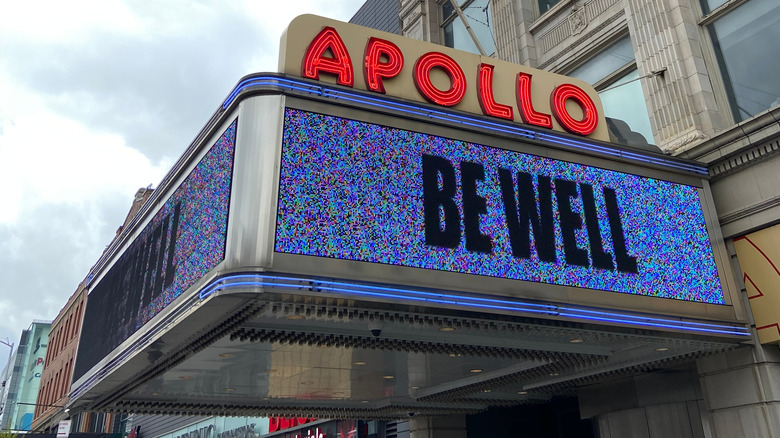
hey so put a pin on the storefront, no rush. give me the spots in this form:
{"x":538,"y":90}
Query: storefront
{"x":249,"y":427}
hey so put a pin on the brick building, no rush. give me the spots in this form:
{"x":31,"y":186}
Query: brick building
{"x":57,"y":373}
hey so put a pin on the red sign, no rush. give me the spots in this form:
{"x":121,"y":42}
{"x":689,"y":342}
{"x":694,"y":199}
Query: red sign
{"x":280,"y":423}
{"x":340,"y":52}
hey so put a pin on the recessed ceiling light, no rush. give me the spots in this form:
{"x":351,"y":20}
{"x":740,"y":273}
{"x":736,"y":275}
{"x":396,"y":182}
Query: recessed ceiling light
{"x":476,"y":370}
{"x":455,"y":355}
{"x":575,"y":341}
{"x":447,"y":329}
{"x":555,"y":374}
{"x":226,"y":355}
{"x":388,"y":377}
{"x":294,"y":317}
{"x":230,"y":389}
{"x":359,"y":363}
{"x":414,"y":387}
{"x":522,"y":392}
{"x":363,"y":401}
{"x":486,"y":390}
{"x":662,"y":349}
{"x":155,"y":393}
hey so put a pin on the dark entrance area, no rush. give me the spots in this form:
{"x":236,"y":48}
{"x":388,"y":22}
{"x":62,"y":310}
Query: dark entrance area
{"x":557,"y":418}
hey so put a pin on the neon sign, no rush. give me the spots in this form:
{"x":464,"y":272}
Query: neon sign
{"x":326,"y":50}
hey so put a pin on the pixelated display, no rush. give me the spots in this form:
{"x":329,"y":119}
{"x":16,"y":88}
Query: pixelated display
{"x":183,"y":241}
{"x":358,"y":191}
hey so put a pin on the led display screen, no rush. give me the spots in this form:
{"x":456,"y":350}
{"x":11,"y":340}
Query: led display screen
{"x":183,"y":241}
{"x":358,"y":191}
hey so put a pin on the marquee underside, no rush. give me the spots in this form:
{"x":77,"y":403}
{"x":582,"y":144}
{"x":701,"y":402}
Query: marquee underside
{"x":288,"y":351}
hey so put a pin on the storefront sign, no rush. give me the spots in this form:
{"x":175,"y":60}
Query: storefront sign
{"x":316,"y":433}
{"x":759,"y":259}
{"x":63,"y":429}
{"x":202,"y":432}
{"x":354,"y":56}
{"x":357,"y":191}
{"x":247,"y":431}
{"x":281,"y":423}
{"x":223,"y":427}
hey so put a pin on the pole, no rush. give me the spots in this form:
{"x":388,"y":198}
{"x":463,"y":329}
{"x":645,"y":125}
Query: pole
{"x":465,"y":21}
{"x":6,"y":377}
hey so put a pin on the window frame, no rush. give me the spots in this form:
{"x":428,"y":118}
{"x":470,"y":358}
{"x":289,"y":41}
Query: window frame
{"x":616,"y":75}
{"x":449,"y":19}
{"x":730,"y":116}
{"x":542,"y":17}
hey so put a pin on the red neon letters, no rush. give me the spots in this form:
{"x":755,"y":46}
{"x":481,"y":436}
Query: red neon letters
{"x":383,"y":60}
{"x":558,"y":103}
{"x":315,"y":61}
{"x":525,"y":103}
{"x":485,"y":94}
{"x":422,"y":79}
{"x":375,"y":69}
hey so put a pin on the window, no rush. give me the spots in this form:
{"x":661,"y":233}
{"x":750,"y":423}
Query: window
{"x":546,"y":5}
{"x":710,"y":5}
{"x":745,"y":43}
{"x":477,"y":12}
{"x":614,"y":75}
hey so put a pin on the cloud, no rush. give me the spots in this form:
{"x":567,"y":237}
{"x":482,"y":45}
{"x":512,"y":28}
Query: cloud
{"x":150,"y":87}
{"x":97,"y":99}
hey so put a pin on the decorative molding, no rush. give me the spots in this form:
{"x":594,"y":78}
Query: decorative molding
{"x":578,"y":20}
{"x":548,"y":16}
{"x":749,"y":157}
{"x":683,"y":141}
{"x":749,"y":210}
{"x":588,"y":36}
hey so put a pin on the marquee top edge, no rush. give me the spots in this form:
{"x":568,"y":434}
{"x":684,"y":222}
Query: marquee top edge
{"x":277,"y":83}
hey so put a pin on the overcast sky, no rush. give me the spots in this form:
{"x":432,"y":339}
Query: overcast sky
{"x":97,"y":99}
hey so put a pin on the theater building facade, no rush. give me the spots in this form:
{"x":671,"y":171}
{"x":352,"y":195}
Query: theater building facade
{"x":390,"y":229}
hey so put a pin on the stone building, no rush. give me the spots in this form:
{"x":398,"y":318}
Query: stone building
{"x":695,"y":78}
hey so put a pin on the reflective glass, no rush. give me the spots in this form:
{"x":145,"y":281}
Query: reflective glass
{"x":711,"y":5}
{"x":478,"y":15}
{"x":746,"y":45}
{"x":606,"y":62}
{"x":622,"y":99}
{"x":546,"y":5}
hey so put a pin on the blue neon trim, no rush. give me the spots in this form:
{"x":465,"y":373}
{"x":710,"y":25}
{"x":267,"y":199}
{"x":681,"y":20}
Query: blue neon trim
{"x":420,"y":110}
{"x":468,"y":302}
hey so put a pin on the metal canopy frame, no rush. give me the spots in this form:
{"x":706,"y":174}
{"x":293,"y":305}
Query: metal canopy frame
{"x":266,"y":338}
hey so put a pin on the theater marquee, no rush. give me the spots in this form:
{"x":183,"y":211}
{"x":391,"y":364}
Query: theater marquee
{"x":381,"y":177}
{"x":388,"y":64}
